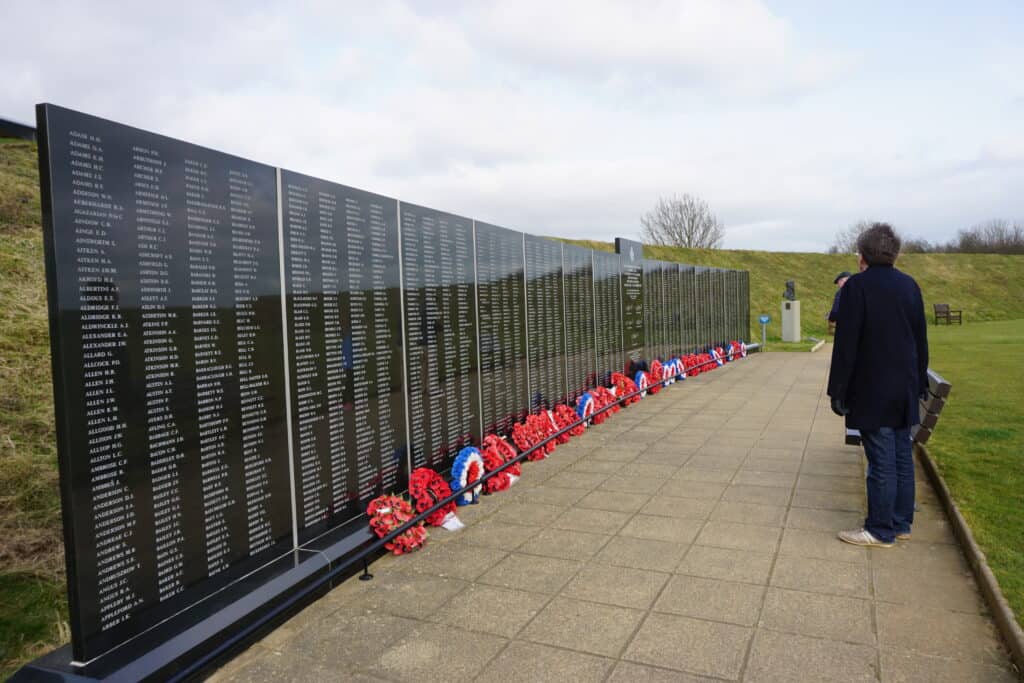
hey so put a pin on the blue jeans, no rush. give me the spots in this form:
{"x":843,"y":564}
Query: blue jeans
{"x":890,"y":482}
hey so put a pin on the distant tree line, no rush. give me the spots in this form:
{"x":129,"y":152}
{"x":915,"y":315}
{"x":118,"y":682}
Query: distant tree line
{"x":996,"y":236}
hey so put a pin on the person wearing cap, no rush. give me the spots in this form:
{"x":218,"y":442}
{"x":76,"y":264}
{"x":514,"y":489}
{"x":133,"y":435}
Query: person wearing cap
{"x":838,"y":282}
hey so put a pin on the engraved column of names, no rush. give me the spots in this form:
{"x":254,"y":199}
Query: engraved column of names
{"x":247,"y":246}
{"x":208,"y":232}
{"x":96,"y":217}
{"x":161,"y":366}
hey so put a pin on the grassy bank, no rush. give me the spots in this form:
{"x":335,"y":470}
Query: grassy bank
{"x":32,"y":604}
{"x":979,"y":441}
{"x":984,"y":286}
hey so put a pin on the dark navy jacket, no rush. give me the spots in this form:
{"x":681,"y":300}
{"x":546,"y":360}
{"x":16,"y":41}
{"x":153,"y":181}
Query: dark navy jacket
{"x":880,"y":357}
{"x":834,"y":313}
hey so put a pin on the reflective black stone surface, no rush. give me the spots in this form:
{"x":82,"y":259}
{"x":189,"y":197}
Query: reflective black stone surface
{"x":632,"y":286}
{"x":578,"y":281}
{"x":345,"y":349}
{"x":440,"y":322}
{"x":545,"y":322}
{"x":607,"y":315}
{"x":164,"y":285}
{"x":501,"y":301}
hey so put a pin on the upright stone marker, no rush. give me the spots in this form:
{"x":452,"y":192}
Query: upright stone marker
{"x":164,"y":290}
{"x":501,"y":298}
{"x":631,"y":260}
{"x":440,"y":321}
{"x":345,"y":348}
{"x":545,"y":322}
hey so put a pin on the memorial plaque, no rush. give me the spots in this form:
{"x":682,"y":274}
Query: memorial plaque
{"x":704,"y":304}
{"x":607,"y":315}
{"x":545,"y":323}
{"x":675,"y":308}
{"x":345,"y":349}
{"x":684,"y":287}
{"x":578,"y":287}
{"x":440,"y":323}
{"x":745,"y":303}
{"x":501,"y":301}
{"x":632,"y":296}
{"x":651,"y":299}
{"x":164,"y":291}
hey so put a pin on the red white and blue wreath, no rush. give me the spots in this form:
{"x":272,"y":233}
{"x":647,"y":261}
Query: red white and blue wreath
{"x":585,"y":407}
{"x":717,"y":357}
{"x":642,"y":382}
{"x":467,"y":468}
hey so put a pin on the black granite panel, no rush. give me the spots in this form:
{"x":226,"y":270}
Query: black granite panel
{"x":440,"y":322}
{"x":545,"y":323}
{"x":607,"y":315}
{"x":166,"y":334}
{"x":345,"y":349}
{"x":501,"y":300}
{"x":578,"y":283}
{"x":632,"y":292}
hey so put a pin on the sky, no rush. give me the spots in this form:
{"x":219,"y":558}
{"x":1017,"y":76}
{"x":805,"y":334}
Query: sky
{"x":792,"y":119}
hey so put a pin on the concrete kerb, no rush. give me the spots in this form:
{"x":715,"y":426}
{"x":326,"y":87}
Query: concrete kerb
{"x":1002,"y":614}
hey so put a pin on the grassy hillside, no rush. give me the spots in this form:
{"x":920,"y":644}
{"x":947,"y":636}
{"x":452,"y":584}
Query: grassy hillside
{"x":32,"y":606}
{"x":985,"y":286}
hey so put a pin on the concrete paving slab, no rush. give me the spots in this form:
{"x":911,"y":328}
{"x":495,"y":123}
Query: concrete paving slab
{"x":658,"y":528}
{"x":566,"y":544}
{"x":787,"y":658}
{"x":727,"y":564}
{"x":432,"y":652}
{"x":712,"y":599}
{"x":498,"y":534}
{"x":628,"y":672}
{"x":822,"y":576}
{"x":818,"y":615}
{"x":693,"y":645}
{"x":752,"y":537}
{"x":489,"y":609}
{"x":671,"y":506}
{"x":614,"y":585}
{"x":939,"y":632}
{"x":523,"y":662}
{"x":751,"y":513}
{"x":640,"y":553}
{"x":584,"y":626}
{"x":531,"y":573}
{"x":692,"y":536}
{"x":591,"y":520}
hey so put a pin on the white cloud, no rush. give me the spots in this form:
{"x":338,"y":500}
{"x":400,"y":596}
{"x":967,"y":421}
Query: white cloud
{"x":565,"y":118}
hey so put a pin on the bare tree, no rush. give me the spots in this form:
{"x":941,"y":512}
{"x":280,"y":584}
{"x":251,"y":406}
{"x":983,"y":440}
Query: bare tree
{"x":845,"y":241}
{"x":682,"y":222}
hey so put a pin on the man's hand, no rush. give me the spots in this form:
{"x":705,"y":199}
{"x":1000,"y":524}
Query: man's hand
{"x":839,"y":407}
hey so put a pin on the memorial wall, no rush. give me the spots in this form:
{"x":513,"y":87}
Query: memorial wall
{"x":244,"y":356}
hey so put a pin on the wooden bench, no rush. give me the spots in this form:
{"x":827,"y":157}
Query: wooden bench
{"x":938,"y":392}
{"x":943,"y":312}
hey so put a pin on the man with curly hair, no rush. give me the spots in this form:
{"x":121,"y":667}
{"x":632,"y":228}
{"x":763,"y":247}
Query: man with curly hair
{"x":879,"y":370}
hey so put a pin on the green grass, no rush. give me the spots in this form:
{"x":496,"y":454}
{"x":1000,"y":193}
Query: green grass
{"x":974,"y":442}
{"x":984,"y":286}
{"x":978,"y":443}
{"x":32,"y":603}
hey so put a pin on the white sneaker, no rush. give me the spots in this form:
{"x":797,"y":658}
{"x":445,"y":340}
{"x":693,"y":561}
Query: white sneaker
{"x":863,"y":537}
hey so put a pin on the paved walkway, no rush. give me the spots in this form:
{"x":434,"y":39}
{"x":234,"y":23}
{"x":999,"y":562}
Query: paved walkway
{"x":691,"y":537}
